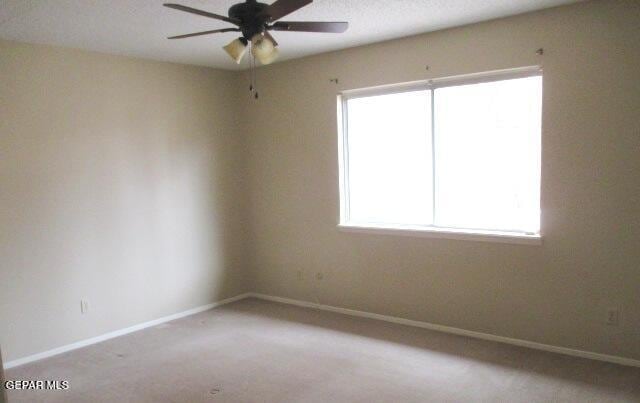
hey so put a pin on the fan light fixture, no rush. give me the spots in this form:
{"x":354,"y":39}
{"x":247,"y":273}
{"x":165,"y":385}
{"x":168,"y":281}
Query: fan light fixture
{"x":236,"y":49}
{"x":263,"y":49}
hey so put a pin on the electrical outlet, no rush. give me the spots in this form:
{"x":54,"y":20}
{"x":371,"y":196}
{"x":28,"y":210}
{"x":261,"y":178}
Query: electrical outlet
{"x":613,"y":317}
{"x":300,"y":275}
{"x":84,"y":306}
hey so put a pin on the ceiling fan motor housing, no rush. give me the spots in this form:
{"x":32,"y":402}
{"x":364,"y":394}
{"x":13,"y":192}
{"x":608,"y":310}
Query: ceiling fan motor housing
{"x":253,"y":20}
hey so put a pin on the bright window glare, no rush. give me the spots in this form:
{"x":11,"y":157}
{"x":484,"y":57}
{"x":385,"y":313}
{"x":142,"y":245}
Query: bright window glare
{"x":390,"y":179}
{"x":488,"y":155}
{"x":469,"y":161}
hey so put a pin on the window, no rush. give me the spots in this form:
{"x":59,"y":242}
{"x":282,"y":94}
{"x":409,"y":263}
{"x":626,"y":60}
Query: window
{"x":456,"y":155}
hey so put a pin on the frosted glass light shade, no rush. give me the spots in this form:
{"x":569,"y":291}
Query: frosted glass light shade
{"x":263,"y":49}
{"x":236,"y":49}
{"x":271,"y":57}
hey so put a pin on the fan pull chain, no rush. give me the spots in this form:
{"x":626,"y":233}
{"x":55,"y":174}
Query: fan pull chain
{"x":252,"y":67}
{"x":250,"y":74}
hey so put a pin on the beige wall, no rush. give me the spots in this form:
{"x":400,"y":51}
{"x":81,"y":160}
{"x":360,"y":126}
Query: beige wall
{"x":556,"y":293}
{"x":120,"y":183}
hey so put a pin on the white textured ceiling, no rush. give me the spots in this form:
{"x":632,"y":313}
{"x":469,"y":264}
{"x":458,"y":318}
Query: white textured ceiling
{"x":140,"y":27}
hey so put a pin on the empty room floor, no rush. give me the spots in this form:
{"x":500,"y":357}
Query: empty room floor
{"x":259,"y":351}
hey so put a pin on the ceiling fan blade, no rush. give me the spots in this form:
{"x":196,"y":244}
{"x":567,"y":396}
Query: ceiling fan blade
{"x":281,"y":8}
{"x":268,"y":35}
{"x":309,"y":26}
{"x":203,"y":13}
{"x":204,"y":33}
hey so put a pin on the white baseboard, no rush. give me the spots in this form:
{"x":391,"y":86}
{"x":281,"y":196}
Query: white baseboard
{"x":453,"y":330}
{"x":121,"y":332}
{"x":408,"y":322}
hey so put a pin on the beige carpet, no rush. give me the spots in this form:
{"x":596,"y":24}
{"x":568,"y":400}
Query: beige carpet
{"x":257,"y":351}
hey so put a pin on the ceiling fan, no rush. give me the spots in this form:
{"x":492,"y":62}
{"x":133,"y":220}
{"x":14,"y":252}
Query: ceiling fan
{"x":254,"y":20}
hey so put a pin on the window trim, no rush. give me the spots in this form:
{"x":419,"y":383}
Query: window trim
{"x":519,"y":238}
{"x":435,"y":83}
{"x":430,"y":231}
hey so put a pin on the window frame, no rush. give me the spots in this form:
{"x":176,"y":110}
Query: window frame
{"x":430,"y":231}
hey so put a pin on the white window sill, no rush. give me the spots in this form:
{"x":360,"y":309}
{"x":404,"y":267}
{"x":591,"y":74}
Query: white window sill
{"x":446,"y":233}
